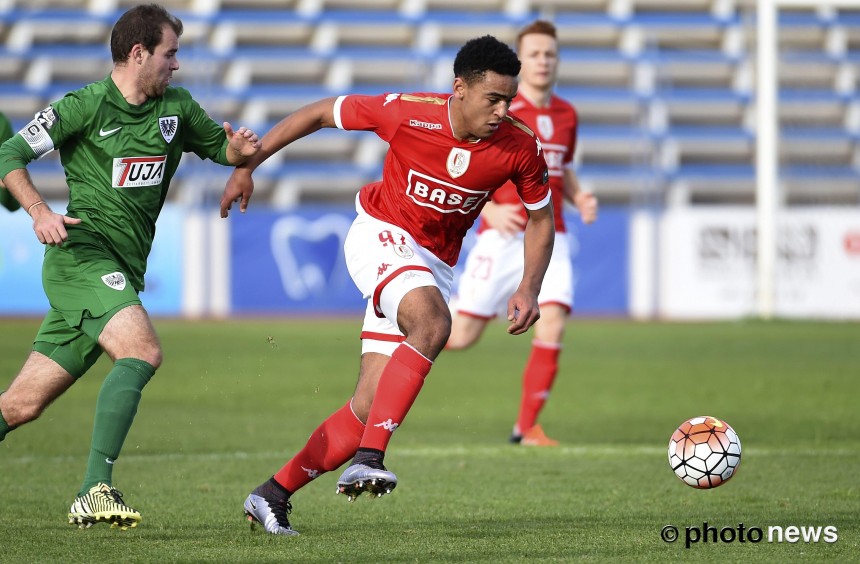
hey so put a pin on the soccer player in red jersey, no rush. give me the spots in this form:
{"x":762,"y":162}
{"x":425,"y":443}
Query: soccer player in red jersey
{"x":495,"y":264}
{"x":447,"y":154}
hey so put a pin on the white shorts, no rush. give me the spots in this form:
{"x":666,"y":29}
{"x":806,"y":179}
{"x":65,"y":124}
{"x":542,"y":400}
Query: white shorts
{"x":494,"y":270}
{"x":386,"y":263}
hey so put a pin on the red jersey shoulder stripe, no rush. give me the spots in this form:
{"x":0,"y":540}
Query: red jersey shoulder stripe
{"x":517,"y":123}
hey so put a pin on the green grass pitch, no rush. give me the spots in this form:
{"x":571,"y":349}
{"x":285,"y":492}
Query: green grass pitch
{"x":234,"y":399}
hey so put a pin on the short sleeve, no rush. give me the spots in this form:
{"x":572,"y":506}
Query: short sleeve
{"x":532,"y":175}
{"x":206,"y":137}
{"x":380,"y":114}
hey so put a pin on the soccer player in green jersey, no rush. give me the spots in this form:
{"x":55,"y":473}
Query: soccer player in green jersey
{"x":120,"y":141}
{"x":6,"y":199}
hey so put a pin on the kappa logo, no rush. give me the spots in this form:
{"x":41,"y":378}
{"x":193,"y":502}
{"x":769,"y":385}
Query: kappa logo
{"x":443,"y":196}
{"x":312,"y":474}
{"x":390,"y":98}
{"x":381,"y":270}
{"x":115,"y":280}
{"x":132,"y":172}
{"x":388,"y":425}
{"x":424,"y":124}
{"x":168,"y":127}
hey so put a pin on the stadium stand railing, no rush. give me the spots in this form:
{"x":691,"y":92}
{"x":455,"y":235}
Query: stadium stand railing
{"x":664,"y":88}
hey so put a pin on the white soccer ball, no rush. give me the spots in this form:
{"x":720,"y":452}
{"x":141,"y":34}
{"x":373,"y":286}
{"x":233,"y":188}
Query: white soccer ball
{"x":704,"y":452}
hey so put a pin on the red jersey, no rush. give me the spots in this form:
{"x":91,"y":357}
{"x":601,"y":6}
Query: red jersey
{"x":434,"y":186}
{"x":555,"y":126}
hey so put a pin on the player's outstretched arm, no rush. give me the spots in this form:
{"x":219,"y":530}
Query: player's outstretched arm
{"x":538,"y":241}
{"x":300,"y":123}
{"x":50,"y":227}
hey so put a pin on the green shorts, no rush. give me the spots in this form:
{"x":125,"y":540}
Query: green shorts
{"x":85,"y":286}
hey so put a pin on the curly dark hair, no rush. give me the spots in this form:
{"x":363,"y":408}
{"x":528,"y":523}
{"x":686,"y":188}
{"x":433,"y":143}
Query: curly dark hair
{"x":482,"y":54}
{"x":141,"y":24}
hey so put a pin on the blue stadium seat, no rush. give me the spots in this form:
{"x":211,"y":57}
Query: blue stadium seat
{"x":654,"y":81}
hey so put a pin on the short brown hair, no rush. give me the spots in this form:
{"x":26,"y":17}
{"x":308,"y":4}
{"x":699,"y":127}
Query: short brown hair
{"x":142,"y":24}
{"x":541,"y":27}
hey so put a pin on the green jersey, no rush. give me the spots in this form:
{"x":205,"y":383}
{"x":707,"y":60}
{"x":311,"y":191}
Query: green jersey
{"x":118,"y":160}
{"x":5,"y":128}
{"x":6,"y":199}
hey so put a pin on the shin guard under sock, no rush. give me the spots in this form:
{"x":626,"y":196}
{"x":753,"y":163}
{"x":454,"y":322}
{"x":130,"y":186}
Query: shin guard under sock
{"x":328,"y":447}
{"x":538,"y":378}
{"x":115,"y":410}
{"x":399,"y":384}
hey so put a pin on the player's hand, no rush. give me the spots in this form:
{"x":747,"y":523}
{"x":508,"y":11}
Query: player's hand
{"x":505,"y":218}
{"x":50,"y":227}
{"x":244,"y":142}
{"x":523,"y":312}
{"x":239,"y":188}
{"x":586,"y":203}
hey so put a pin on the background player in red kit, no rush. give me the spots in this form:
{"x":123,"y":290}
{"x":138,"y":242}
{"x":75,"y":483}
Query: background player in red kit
{"x":495,"y":264}
{"x":447,"y":155}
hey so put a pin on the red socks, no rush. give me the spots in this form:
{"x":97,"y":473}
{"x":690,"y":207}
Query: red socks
{"x":329,"y":446}
{"x":399,"y":385}
{"x":538,"y":377}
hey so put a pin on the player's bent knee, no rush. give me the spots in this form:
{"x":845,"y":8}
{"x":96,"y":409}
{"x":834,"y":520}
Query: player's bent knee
{"x":155,"y":358}
{"x":430,"y":337}
{"x":152,"y":355}
{"x":443,"y":328}
{"x":438,"y":329}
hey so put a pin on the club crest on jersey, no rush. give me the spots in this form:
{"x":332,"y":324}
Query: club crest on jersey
{"x":168,"y":126}
{"x":132,"y":172}
{"x":458,"y":162}
{"x":442,"y":196}
{"x":545,"y":126}
{"x":115,"y":280}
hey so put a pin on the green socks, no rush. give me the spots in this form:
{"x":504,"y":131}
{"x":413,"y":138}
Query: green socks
{"x":115,"y":410}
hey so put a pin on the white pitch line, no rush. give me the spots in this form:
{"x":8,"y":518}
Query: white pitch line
{"x":437,"y":452}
